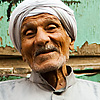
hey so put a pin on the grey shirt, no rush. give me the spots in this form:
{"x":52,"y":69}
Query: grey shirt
{"x":36,"y":88}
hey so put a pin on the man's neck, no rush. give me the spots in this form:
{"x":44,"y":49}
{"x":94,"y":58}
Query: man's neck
{"x":56,"y":78}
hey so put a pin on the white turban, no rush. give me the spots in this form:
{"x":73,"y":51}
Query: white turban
{"x":34,"y":7}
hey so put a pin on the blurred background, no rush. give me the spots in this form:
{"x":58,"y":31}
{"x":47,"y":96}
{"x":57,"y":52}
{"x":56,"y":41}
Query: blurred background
{"x":85,"y":58}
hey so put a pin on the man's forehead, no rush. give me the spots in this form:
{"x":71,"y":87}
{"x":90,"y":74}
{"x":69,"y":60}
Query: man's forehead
{"x":43,"y":15}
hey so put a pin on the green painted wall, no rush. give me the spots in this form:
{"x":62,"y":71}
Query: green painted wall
{"x":95,"y":77}
{"x":4,"y":35}
{"x":87,"y":15}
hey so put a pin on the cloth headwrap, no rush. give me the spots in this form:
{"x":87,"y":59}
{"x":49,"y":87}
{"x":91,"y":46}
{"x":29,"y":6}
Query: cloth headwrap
{"x":35,"y":7}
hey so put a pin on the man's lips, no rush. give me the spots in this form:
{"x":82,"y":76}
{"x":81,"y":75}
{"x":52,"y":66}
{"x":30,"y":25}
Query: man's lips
{"x":44,"y":52}
{"x":47,"y":49}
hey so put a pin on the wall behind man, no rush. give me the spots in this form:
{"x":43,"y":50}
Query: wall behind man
{"x":87,"y":17}
{"x":87,"y":45}
{"x":88,"y":21}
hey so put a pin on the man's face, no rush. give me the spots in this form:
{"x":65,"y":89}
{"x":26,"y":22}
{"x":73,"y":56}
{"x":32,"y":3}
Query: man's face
{"x":45,"y":43}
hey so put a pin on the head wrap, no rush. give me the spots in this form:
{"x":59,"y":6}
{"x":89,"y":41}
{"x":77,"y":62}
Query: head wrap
{"x":34,"y":7}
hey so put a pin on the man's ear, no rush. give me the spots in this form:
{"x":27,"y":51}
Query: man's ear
{"x":71,"y":47}
{"x":23,"y":57}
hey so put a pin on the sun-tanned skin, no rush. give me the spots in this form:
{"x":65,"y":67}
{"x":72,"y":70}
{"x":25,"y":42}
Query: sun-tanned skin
{"x":45,"y":46}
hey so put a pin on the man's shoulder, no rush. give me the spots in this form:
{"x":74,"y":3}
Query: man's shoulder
{"x":17,"y":85}
{"x":13,"y":84}
{"x":10,"y":83}
{"x":88,"y":82}
{"x":85,"y":89}
{"x":7,"y":88}
{"x":87,"y":85}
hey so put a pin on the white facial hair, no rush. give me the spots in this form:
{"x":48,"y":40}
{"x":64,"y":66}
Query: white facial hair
{"x":50,"y":67}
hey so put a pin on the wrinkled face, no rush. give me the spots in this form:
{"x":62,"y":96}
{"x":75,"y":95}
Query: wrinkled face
{"x":45,"y":44}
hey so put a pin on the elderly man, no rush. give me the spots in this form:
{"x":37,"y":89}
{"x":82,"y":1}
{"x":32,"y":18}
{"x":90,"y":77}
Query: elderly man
{"x":44,"y":31}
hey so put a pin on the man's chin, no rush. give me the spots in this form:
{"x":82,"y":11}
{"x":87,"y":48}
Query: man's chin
{"x":46,"y":69}
{"x":48,"y":66}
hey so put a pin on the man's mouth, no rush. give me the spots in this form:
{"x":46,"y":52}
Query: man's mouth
{"x":45,"y":50}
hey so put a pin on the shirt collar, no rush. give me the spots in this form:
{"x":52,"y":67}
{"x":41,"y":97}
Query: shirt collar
{"x":42,"y":83}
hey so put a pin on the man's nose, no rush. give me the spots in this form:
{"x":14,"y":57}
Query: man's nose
{"x":42,"y":37}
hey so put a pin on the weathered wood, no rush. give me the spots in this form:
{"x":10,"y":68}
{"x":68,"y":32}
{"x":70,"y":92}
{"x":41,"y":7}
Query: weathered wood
{"x":15,"y":64}
{"x":9,"y":51}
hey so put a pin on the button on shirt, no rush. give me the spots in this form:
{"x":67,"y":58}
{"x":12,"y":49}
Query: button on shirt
{"x":37,"y":88}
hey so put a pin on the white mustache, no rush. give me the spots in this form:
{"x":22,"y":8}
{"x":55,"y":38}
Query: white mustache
{"x":46,"y":49}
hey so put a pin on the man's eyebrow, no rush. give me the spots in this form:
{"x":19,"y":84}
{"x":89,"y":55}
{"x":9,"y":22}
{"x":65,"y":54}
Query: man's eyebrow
{"x":24,"y":25}
{"x":47,"y":21}
{"x":52,"y":21}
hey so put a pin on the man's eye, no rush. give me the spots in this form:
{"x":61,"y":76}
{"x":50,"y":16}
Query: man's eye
{"x":29,"y":32}
{"x":51,"y":27}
